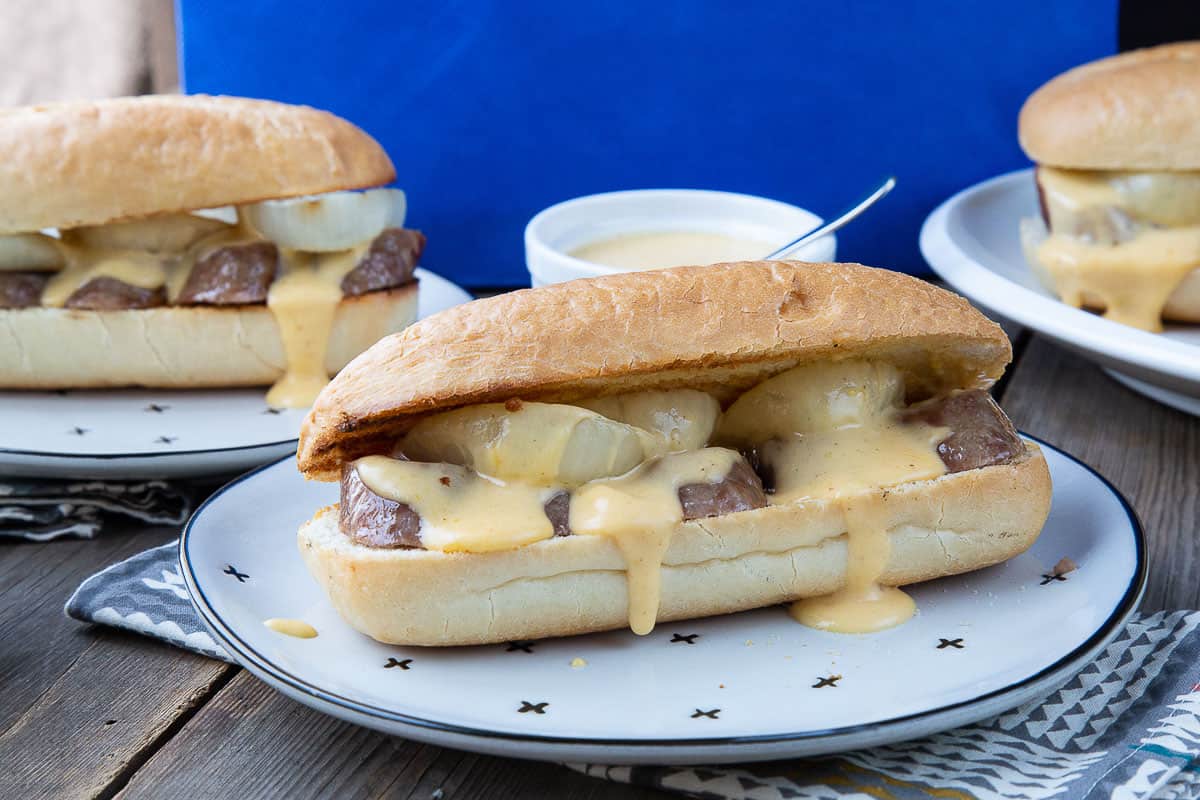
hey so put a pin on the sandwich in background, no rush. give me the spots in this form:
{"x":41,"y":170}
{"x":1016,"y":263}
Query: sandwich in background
{"x":173,"y":241}
{"x":1117,"y":146}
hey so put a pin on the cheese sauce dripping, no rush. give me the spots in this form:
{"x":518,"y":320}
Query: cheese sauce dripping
{"x":149,"y":253}
{"x":639,"y":512}
{"x":832,"y":432}
{"x":136,"y":268}
{"x":1132,"y":279}
{"x":304,"y":300}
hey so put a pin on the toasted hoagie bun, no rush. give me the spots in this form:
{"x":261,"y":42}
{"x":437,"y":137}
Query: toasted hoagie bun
{"x":193,"y":241}
{"x":723,"y":329}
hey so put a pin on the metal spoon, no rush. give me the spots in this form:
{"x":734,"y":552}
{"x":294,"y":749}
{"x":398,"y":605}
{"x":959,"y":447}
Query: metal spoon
{"x":837,"y":222}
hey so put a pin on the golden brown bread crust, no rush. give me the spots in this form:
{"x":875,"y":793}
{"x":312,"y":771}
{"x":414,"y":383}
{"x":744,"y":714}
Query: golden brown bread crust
{"x":183,"y":347}
{"x":1135,"y":111}
{"x":576,"y":584}
{"x":721,"y":328}
{"x":91,"y":162}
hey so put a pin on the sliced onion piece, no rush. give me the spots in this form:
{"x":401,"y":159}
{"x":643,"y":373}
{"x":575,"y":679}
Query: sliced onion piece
{"x":30,"y":251}
{"x":168,"y":233}
{"x":326,"y":222}
{"x":683,"y":418}
{"x":543,"y":443}
{"x":227,"y":214}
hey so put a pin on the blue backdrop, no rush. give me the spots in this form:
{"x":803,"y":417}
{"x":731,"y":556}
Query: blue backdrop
{"x":493,"y":110}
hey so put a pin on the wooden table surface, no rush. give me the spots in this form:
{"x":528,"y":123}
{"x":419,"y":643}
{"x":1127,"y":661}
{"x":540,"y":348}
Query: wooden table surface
{"x":93,"y":712}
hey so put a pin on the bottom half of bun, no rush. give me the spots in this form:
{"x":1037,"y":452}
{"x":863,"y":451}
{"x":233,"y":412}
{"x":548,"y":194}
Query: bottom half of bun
{"x":178,"y":346}
{"x":750,"y":559}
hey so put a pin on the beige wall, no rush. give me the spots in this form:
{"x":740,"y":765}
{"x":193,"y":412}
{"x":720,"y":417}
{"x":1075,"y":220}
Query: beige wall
{"x":67,"y":49}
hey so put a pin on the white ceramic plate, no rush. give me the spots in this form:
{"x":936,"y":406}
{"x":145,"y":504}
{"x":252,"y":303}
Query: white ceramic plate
{"x":744,"y":687}
{"x":147,"y":433}
{"x":972,"y":241}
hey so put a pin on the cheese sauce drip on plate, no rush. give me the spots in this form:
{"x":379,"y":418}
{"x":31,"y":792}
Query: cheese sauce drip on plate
{"x":296,"y":628}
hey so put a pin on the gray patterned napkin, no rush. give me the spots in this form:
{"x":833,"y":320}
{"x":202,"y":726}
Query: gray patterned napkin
{"x":43,"y":509}
{"x":145,"y":594}
{"x":1125,"y":728}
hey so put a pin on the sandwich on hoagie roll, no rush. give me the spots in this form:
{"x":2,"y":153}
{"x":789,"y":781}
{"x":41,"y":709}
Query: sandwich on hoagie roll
{"x":663,"y":445}
{"x":1117,"y":146}
{"x":116,"y":271}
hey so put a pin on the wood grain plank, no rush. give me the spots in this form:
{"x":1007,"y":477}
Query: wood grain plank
{"x":83,"y":706}
{"x":251,"y":741}
{"x":36,"y":578}
{"x":1151,"y":453}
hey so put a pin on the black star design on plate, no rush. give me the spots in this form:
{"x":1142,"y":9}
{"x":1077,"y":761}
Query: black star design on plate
{"x":707,"y":714}
{"x":955,"y":643}
{"x":1050,"y":576}
{"x":831,"y":681}
{"x":156,"y":408}
{"x":537,"y":708}
{"x":78,"y":431}
{"x":231,"y":570}
{"x":524,"y":647}
{"x":391,"y":662}
{"x":689,"y":639}
{"x":165,"y":439}
{"x":273,"y":411}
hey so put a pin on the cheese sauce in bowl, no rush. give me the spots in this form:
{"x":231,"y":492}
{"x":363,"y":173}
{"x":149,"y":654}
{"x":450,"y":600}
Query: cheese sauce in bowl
{"x":656,"y":228}
{"x":656,"y":250}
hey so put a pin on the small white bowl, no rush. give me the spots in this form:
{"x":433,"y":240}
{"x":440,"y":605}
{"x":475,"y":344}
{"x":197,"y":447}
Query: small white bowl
{"x":569,"y":225}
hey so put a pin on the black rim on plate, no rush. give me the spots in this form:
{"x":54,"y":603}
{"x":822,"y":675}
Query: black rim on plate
{"x":254,"y":661}
{"x":165,"y":454}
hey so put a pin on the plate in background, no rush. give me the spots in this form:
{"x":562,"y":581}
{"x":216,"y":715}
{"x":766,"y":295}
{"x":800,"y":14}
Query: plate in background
{"x":972,"y":241}
{"x":743,"y":687}
{"x":151,"y":433}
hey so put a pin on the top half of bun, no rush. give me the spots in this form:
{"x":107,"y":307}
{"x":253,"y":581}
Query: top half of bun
{"x":87,"y":163}
{"x":1135,"y":111}
{"x":721,"y":328}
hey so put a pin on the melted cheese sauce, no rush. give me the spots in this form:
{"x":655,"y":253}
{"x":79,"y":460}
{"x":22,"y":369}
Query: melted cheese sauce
{"x":875,"y":451}
{"x":657,"y":249}
{"x":145,"y":253}
{"x":639,"y":512}
{"x":137,"y":268}
{"x":291,"y":627}
{"x":862,"y":605}
{"x":304,"y":299}
{"x":1134,"y":279}
{"x":832,"y":432}
{"x":461,"y":510}
{"x":849,"y":465}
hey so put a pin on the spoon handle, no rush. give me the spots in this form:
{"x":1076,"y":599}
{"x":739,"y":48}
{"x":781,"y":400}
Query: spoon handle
{"x":835,"y":223}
